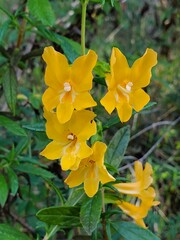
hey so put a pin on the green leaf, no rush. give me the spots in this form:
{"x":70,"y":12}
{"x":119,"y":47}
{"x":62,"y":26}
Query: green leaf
{"x":132,"y":231}
{"x":117,"y":147}
{"x":3,"y":190}
{"x":42,"y":10}
{"x":13,"y":181}
{"x":32,"y":169}
{"x":3,"y":30}
{"x":90,"y":212}
{"x":76,"y":195}
{"x":57,"y":190}
{"x":71,"y":49}
{"x":12,"y":126}
{"x":7,"y":232}
{"x":37,"y":127}
{"x":22,"y":144}
{"x":10,"y":88}
{"x":61,"y":216}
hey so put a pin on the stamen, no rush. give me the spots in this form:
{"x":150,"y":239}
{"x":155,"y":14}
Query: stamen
{"x":128,"y":86}
{"x":91,"y":161}
{"x":70,"y":137}
{"x":67,"y":87}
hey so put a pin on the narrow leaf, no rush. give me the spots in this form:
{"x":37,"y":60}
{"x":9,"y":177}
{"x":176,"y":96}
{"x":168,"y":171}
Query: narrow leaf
{"x":62,"y":216}
{"x":117,"y":147}
{"x":76,"y":195}
{"x":7,"y":232}
{"x":3,"y":190}
{"x":132,"y":231}
{"x":32,"y":169}
{"x":71,"y":49}
{"x":37,"y":127}
{"x":12,"y":126}
{"x":42,"y":10}
{"x":13,"y":181}
{"x":10,"y":88}
{"x":90,"y":212}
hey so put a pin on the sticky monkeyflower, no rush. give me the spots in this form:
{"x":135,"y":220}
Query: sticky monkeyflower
{"x":68,"y":85}
{"x":91,"y":171}
{"x":143,"y":179}
{"x":141,"y":189}
{"x":125,"y":84}
{"x":69,"y":139}
{"x":138,"y":212}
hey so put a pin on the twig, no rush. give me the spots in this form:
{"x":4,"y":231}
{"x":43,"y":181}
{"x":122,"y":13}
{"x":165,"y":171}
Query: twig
{"x":154,"y":125}
{"x":173,"y":123}
{"x":24,"y":224}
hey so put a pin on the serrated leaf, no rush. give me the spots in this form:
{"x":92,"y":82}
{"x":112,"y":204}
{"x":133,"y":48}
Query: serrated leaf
{"x":12,"y":126}
{"x":37,"y":127}
{"x":117,"y":147}
{"x":132,"y":231}
{"x":61,"y":216}
{"x":71,"y":49}
{"x":13,"y":181}
{"x":42,"y":10}
{"x":10,"y":88}
{"x":32,"y":169}
{"x":76,"y":195}
{"x":7,"y":232}
{"x":90,"y":212}
{"x":3,"y":190}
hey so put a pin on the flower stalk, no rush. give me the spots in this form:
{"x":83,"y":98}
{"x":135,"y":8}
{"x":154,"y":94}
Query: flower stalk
{"x":83,"y":25}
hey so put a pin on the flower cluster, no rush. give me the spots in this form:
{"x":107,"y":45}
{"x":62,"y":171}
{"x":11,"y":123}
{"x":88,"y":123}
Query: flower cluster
{"x":140,"y":189}
{"x":68,"y":124}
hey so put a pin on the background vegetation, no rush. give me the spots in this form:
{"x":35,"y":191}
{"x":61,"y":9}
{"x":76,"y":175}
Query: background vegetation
{"x":26,"y":28}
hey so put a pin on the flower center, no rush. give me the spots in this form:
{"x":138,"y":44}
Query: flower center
{"x":71,"y":136}
{"x":91,"y":161}
{"x":129,"y":86}
{"x":67,"y":87}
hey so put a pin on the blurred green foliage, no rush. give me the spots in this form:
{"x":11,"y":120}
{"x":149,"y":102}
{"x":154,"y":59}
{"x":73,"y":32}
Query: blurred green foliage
{"x":26,"y":27}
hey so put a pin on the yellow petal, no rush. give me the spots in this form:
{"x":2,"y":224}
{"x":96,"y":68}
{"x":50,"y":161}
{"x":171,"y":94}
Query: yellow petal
{"x":82,"y":125}
{"x":138,"y":168}
{"x":124,"y":111}
{"x":119,"y":67}
{"x":50,"y":99}
{"x":84,"y":150}
{"x":136,"y":212}
{"x":133,"y":189}
{"x":52,"y":151}
{"x":139,"y":99}
{"x":109,"y":102}
{"x":67,"y":161}
{"x":57,"y":70}
{"x":84,"y":100}
{"x":81,"y":72}
{"x":75,"y":178}
{"x":64,"y":112}
{"x":99,"y":149}
{"x":54,"y":129}
{"x":91,"y":182}
{"x":141,"y":69}
{"x":104,"y":176}
{"x":147,"y":179}
{"x":141,"y":223}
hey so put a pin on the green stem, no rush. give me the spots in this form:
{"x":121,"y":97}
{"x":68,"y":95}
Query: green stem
{"x":83,"y":25}
{"x":103,"y":217}
{"x":52,"y":232}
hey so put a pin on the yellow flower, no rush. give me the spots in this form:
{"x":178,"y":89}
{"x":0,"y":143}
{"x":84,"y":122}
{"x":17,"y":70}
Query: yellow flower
{"x":68,"y":86}
{"x":143,"y":180}
{"x":125,"y":84}
{"x":91,"y":171}
{"x":141,"y":211}
{"x":69,"y":139}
